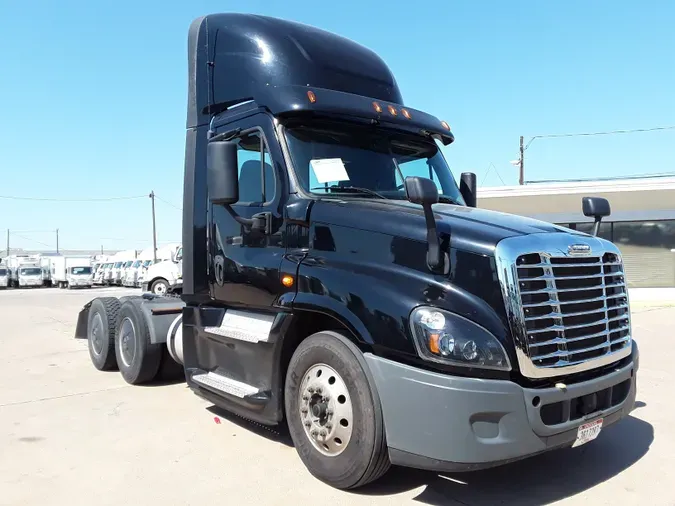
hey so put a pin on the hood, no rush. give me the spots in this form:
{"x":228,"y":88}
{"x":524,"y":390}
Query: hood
{"x":470,"y":229}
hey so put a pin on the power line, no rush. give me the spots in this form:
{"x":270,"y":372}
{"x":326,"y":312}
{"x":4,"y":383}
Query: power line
{"x":29,"y":239}
{"x":102,"y":199}
{"x":168,"y":203}
{"x":608,"y":132}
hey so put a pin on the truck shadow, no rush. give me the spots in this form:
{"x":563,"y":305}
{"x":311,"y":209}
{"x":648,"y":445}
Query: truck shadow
{"x":276,"y":434}
{"x":543,"y":479}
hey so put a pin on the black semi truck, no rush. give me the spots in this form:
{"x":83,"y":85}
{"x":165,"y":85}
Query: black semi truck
{"x":337,"y":279}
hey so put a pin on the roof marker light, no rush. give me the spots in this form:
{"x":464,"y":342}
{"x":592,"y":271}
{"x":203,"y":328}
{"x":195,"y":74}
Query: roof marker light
{"x":445,"y":125}
{"x":311,"y":96}
{"x":406,"y":113}
{"x":392,"y":110}
{"x":377,"y":107}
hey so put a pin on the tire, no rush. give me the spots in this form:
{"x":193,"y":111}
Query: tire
{"x":101,"y":332}
{"x":364,"y":457}
{"x":160,"y":286}
{"x":137,"y":358}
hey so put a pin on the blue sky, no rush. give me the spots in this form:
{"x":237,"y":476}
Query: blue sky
{"x":93,"y":97}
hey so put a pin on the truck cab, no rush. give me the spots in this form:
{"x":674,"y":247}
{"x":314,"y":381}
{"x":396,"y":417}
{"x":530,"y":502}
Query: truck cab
{"x":5,"y":276}
{"x":29,"y":275}
{"x":165,"y":275}
{"x":338,"y":277}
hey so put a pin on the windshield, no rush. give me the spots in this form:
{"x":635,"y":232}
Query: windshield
{"x":30,"y":271}
{"x":80,"y":270}
{"x":118,"y":265}
{"x":136,"y":264}
{"x":335,"y":158}
{"x":128,"y":263}
{"x":147,"y":263}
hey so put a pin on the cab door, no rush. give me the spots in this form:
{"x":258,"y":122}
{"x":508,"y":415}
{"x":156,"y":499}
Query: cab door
{"x":237,"y":334}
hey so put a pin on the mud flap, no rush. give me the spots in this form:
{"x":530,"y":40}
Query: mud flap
{"x":82,"y":320}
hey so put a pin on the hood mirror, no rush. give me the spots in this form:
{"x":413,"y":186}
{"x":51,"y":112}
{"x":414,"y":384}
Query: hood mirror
{"x":421,"y":190}
{"x":596,"y":207}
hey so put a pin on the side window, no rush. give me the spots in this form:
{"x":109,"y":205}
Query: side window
{"x":417,"y":167}
{"x":256,"y":175}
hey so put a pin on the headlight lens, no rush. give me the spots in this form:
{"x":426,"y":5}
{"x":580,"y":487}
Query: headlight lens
{"x":445,"y":337}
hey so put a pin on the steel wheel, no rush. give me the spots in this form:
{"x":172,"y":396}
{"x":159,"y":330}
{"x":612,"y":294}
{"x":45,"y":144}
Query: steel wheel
{"x":326,"y":410}
{"x":127,"y":341}
{"x":159,"y":288}
{"x":97,"y":334}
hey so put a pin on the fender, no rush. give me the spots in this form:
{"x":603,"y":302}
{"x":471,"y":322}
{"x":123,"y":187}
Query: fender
{"x":374,"y":300}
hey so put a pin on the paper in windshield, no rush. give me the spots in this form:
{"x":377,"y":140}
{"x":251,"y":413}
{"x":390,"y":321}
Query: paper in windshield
{"x":329,"y":169}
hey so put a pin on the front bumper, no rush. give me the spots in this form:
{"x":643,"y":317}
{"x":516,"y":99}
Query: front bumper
{"x":447,"y":423}
{"x":30,"y":282}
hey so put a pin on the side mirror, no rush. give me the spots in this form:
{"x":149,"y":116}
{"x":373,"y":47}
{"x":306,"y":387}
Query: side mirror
{"x":467,"y":187}
{"x":421,"y":190}
{"x":596,"y":207}
{"x":222,"y":177}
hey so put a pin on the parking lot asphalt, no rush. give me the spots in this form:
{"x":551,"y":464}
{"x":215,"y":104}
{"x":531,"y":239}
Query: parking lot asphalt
{"x":70,"y":435}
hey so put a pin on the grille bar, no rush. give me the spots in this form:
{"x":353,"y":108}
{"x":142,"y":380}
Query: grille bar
{"x":557,"y":314}
{"x":560,"y":340}
{"x":549,"y":276}
{"x":580,"y":301}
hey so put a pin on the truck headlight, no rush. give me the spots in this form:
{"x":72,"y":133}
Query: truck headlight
{"x":444,"y":337}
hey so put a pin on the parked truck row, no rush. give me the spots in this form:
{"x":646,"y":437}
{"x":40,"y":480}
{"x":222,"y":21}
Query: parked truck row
{"x":26,"y":271}
{"x":158,"y":273}
{"x":131,"y":268}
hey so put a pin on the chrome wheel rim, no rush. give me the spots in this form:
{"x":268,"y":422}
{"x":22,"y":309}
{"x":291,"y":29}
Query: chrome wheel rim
{"x":127,"y":341}
{"x":97,"y":334}
{"x":326,"y":410}
{"x":159,"y":289}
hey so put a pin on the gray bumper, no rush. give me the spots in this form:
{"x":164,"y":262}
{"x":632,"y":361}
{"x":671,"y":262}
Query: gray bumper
{"x":441,"y":422}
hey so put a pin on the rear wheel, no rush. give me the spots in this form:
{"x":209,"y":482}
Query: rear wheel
{"x":101,"y":332}
{"x":333,"y":412}
{"x":138,"y":359}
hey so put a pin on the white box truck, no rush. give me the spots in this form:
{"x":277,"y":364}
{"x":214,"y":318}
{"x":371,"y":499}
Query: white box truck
{"x":72,"y":271}
{"x":4,"y":275}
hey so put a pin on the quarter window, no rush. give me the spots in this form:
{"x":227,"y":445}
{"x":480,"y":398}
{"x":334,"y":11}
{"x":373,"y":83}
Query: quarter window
{"x":256,"y":175}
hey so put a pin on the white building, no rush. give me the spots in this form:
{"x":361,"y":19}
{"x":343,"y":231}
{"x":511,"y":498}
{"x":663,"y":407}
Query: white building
{"x":642,"y":223}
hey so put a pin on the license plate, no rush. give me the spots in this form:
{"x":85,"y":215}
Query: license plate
{"x":588,"y":432}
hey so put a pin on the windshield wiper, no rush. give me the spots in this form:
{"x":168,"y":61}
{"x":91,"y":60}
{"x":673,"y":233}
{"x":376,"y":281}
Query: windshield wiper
{"x":448,"y":200}
{"x":348,"y":189}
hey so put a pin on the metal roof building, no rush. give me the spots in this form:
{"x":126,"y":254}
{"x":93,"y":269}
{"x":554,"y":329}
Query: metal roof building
{"x":642,"y":223}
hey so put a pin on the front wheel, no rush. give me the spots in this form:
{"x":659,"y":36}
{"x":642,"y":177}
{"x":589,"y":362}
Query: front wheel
{"x":159,"y":287}
{"x":333,"y":412}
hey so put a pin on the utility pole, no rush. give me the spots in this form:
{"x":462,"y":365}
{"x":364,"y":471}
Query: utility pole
{"x":57,"y":241}
{"x":101,"y":249}
{"x":7,"y":242}
{"x":521,"y":179}
{"x":154,"y":230}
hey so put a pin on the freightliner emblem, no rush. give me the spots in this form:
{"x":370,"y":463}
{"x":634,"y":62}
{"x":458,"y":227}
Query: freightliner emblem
{"x":578,"y":249}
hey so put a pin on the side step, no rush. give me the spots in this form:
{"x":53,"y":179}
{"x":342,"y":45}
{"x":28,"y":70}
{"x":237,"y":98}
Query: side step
{"x":225,"y":384}
{"x":244,"y":326}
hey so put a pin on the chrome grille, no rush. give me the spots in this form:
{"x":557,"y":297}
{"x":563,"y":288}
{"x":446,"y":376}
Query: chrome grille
{"x":567,"y":312}
{"x":575,"y":309}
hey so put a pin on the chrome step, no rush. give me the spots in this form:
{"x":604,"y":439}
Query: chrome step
{"x":225,"y":384}
{"x":244,"y":326}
